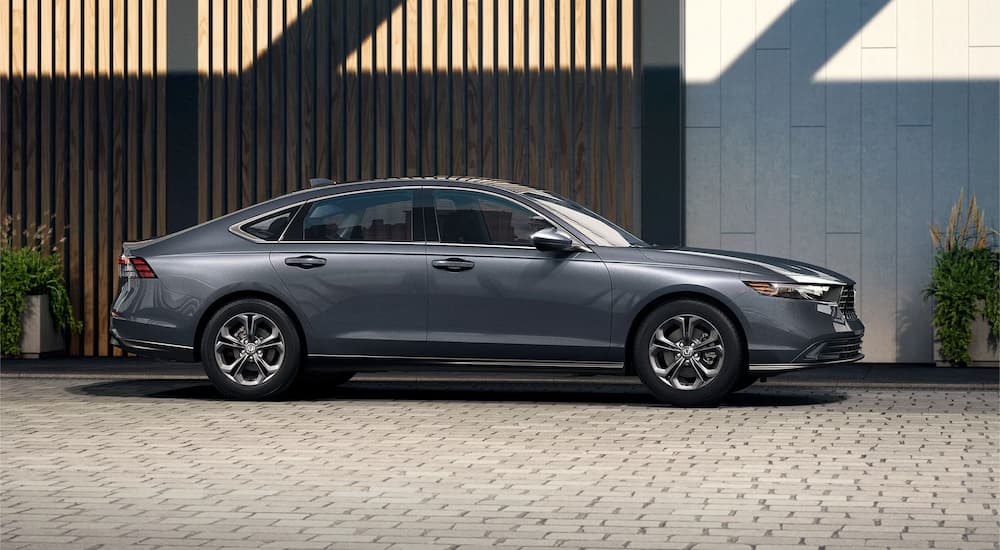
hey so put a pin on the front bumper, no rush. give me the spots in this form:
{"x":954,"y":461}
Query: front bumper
{"x":778,"y":368}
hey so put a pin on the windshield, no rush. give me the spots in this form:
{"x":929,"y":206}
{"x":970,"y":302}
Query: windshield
{"x":598,"y":229}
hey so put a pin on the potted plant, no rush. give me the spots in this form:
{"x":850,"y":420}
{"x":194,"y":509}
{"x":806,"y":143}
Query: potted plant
{"x":34,"y":304}
{"x":965,"y":285}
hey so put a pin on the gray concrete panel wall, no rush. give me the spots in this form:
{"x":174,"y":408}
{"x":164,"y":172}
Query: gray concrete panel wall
{"x":835,"y":131}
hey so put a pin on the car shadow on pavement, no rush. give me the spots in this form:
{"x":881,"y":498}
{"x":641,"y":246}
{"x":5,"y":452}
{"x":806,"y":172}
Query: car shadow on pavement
{"x":521,"y":391}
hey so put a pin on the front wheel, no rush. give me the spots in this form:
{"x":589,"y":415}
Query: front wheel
{"x":251,"y":350}
{"x":688,"y":353}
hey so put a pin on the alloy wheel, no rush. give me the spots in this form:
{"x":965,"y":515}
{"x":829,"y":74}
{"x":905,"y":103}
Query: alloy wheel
{"x":249,"y":349}
{"x":686,"y":352}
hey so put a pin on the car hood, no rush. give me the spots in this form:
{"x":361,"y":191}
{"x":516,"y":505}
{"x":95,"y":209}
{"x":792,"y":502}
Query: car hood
{"x":768,"y":268}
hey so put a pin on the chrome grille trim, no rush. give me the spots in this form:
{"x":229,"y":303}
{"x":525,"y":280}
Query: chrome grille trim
{"x":846,"y":302}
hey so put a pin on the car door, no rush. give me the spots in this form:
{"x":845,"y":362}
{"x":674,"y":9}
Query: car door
{"x":493,"y":295}
{"x":354,"y":266}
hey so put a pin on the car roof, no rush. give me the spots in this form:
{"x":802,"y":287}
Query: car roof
{"x":494,"y":183}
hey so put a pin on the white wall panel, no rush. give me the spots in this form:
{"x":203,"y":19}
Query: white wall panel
{"x":738,"y":100}
{"x":845,"y":127}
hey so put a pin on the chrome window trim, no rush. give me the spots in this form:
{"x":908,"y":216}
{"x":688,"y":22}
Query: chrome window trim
{"x":236,"y":227}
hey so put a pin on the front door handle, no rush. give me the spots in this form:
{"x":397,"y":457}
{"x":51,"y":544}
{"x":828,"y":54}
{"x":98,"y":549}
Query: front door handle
{"x":453,"y":264}
{"x":305,"y":262}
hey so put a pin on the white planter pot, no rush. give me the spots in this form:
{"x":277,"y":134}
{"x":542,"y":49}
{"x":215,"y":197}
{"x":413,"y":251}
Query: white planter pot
{"x":39,"y":335}
{"x":982,"y":354}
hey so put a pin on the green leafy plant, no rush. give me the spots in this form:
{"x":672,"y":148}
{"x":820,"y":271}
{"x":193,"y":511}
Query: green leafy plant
{"x":30,"y":265}
{"x":965,"y":274}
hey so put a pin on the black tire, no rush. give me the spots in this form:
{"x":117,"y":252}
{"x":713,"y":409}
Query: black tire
{"x":331,"y":379}
{"x":745,"y":382}
{"x":727,"y":370}
{"x":290,"y":364}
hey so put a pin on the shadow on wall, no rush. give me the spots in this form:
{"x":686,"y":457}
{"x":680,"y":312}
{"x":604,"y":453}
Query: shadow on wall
{"x":539,"y":93}
{"x":835,"y":135}
{"x":542,"y":97}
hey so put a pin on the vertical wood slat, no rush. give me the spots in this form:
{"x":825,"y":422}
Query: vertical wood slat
{"x":307,"y":106}
{"x":519,"y":99}
{"x":323,"y":33}
{"x":18,"y":114}
{"x":505,"y":153}
{"x":46,"y":136}
{"x":472,"y":75}
{"x":233,"y":129}
{"x":89,"y":171}
{"x":488,"y":90}
{"x":396,"y":75}
{"x":457,"y":25}
{"x":262,"y":74}
{"x":380,"y":80}
{"x":247,"y":100}
{"x":31,"y":126}
{"x":5,"y":129}
{"x":105,"y":162}
{"x":276,"y":57}
{"x":539,"y":91}
{"x":412,"y":92}
{"x":147,"y":104}
{"x":350,"y":70}
{"x":60,"y":122}
{"x":72,"y":249}
{"x":428,"y":119}
{"x":204,"y":122}
{"x":118,"y":187}
{"x":217,"y":139}
{"x":337,"y":83}
{"x":292,"y":59}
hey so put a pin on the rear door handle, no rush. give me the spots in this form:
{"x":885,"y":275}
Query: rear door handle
{"x":453,"y":264}
{"x":305,"y":262}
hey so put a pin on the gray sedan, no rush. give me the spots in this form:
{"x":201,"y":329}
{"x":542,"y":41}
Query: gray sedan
{"x":421,"y":273}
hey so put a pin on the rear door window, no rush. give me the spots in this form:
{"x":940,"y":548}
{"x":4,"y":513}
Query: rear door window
{"x":376,"y":216}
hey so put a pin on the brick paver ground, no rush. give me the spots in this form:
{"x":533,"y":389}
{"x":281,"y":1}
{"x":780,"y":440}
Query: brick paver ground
{"x":392,"y":465}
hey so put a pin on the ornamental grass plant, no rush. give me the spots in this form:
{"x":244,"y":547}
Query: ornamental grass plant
{"x":965,"y":279}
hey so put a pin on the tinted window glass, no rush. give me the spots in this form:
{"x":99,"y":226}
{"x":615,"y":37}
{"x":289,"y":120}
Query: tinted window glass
{"x":597,"y":228}
{"x":469,"y":217}
{"x":270,"y":228}
{"x":374,"y":216}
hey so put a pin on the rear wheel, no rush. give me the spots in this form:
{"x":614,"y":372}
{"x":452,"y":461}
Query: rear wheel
{"x":688,"y":353}
{"x":251,"y":350}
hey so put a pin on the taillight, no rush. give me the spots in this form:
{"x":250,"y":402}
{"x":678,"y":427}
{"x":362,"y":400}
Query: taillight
{"x":134,"y":266}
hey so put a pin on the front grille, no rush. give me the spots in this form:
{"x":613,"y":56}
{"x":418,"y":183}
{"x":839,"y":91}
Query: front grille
{"x":846,"y":303}
{"x":840,"y":348}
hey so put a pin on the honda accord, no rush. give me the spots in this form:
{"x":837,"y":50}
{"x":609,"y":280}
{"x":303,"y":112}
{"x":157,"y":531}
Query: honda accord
{"x":417,"y":273}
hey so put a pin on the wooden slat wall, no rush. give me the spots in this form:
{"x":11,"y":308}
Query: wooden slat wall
{"x":81,"y":116}
{"x":538,"y":91}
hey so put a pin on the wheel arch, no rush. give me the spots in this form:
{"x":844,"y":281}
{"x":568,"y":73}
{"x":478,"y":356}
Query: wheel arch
{"x":700,"y":294}
{"x":231,"y":297}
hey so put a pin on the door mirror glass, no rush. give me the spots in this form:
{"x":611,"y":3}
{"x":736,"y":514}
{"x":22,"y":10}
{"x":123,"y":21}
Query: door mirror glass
{"x":551,"y":238}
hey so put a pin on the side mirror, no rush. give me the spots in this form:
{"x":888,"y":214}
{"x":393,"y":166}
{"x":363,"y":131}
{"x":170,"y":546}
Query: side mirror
{"x":550,"y":239}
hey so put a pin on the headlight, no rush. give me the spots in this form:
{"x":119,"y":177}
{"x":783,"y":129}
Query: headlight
{"x":819,"y":293}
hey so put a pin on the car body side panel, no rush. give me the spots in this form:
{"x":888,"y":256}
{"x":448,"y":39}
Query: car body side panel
{"x":168,"y":309}
{"x":638,"y":283}
{"x":519,"y":303}
{"x":368,"y":299}
{"x":777,"y":329}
